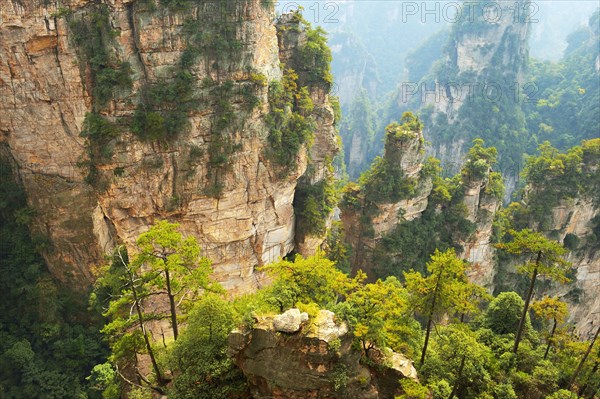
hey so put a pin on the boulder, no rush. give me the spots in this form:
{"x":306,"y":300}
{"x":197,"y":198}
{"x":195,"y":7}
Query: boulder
{"x":290,"y":321}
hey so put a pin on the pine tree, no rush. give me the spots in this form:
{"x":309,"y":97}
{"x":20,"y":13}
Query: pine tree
{"x":543,"y":257}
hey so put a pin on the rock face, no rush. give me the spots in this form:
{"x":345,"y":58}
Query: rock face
{"x":478,"y":250}
{"x":316,"y":362}
{"x":354,"y":68}
{"x":383,"y":216}
{"x":47,"y":92}
{"x":326,"y":143}
{"x":579,"y":218}
{"x":290,"y":321}
{"x":484,"y":61}
{"x":368,"y":224}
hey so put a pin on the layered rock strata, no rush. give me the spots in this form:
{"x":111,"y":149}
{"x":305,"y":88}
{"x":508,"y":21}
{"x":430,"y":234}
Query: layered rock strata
{"x":48,"y":89}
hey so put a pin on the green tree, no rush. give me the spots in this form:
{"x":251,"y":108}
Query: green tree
{"x":543,"y":257}
{"x":165,"y":265}
{"x":170,"y":262}
{"x":504,"y":312}
{"x":458,"y":357}
{"x":585,"y":357}
{"x":307,"y":280}
{"x":479,"y":160}
{"x":435,"y":294}
{"x":49,"y":342}
{"x":468,"y":299}
{"x":127,"y":330}
{"x":550,"y":309}
{"x":379,"y":316}
{"x":202,"y":369}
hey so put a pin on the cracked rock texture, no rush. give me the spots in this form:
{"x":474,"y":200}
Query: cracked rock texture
{"x":46,"y":94}
{"x":304,"y":364}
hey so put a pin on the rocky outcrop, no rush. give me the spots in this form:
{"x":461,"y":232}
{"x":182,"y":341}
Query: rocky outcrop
{"x":565,"y":207}
{"x":354,"y":68}
{"x":319,"y":361}
{"x":48,"y":90}
{"x":471,"y":92}
{"x":578,"y":218}
{"x":292,"y":37}
{"x":487,"y":46}
{"x":290,"y":321}
{"x":478,"y":249}
{"x":367,"y":221}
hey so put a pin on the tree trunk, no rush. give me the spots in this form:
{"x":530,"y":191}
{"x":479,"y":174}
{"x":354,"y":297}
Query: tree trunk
{"x":584,"y":358}
{"x":594,"y":370}
{"x":550,"y":339}
{"x":138,"y":308}
{"x":172,"y":305}
{"x":430,"y":318}
{"x":458,"y":377}
{"x":526,"y":307}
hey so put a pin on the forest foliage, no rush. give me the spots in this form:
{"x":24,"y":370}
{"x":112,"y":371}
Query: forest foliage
{"x":464,"y":337}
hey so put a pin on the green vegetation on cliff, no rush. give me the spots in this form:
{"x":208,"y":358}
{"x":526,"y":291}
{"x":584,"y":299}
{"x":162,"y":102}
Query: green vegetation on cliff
{"x":289,"y":120}
{"x":567,"y":100}
{"x":443,"y":224}
{"x":553,"y":177}
{"x":470,"y":355}
{"x":385,"y":181}
{"x":312,"y":204}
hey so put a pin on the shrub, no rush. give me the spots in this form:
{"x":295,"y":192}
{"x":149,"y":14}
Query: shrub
{"x":315,"y":55}
{"x":571,"y":241}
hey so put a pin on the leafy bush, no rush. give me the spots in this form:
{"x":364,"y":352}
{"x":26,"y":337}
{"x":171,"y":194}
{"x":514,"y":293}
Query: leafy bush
{"x":315,"y":55}
{"x":504,"y":312}
{"x":200,"y":356}
{"x":385,"y":181}
{"x":100,"y":134}
{"x":571,"y":241}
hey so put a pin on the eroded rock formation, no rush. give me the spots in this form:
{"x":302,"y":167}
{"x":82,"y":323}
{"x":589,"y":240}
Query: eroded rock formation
{"x":48,"y":87}
{"x":317,"y":361}
{"x":368,"y":217}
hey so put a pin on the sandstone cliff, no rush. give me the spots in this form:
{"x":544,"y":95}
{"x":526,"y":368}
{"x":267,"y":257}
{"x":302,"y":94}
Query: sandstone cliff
{"x":369,"y":212}
{"x":476,"y":88}
{"x":313,"y":359}
{"x":565,"y":206}
{"x":579,"y":218}
{"x":238,"y":205}
{"x":326,"y":144}
{"x":478,"y":248}
{"x":390,"y":234}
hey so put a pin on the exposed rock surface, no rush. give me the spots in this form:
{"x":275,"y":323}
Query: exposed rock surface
{"x":478,"y":250}
{"x":46,"y":94}
{"x":290,"y":321}
{"x":366,"y":225}
{"x":307,"y":364}
{"x":487,"y":51}
{"x":365,"y":228}
{"x":326,"y":143}
{"x":576,"y":217}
